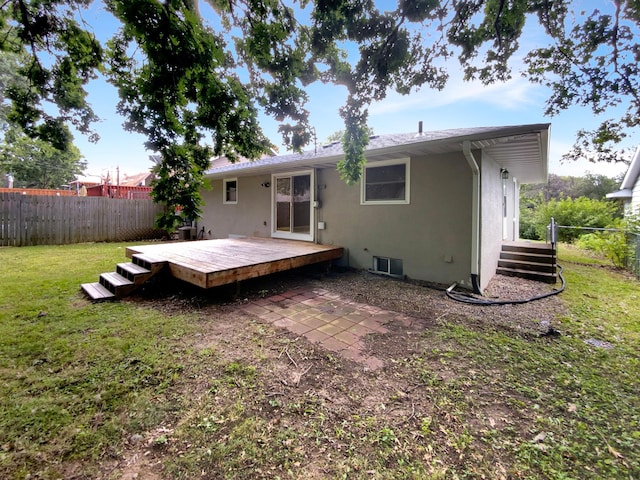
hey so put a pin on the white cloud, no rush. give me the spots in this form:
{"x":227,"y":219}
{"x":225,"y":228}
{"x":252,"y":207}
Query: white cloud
{"x":511,"y":95}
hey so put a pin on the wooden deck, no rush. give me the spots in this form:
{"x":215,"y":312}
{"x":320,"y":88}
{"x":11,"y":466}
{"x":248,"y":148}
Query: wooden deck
{"x":210,"y":263}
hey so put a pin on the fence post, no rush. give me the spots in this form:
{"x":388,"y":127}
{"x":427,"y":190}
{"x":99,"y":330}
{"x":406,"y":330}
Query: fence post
{"x":552,"y":232}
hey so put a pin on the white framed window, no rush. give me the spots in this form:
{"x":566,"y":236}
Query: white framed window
{"x":230,"y":191}
{"x":386,"y":182}
{"x":387,"y":266}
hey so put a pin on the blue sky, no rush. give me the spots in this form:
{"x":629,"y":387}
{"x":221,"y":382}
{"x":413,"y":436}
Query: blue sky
{"x":461,"y":104}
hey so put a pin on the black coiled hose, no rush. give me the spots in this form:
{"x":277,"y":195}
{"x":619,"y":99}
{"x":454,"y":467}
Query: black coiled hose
{"x":460,"y":297}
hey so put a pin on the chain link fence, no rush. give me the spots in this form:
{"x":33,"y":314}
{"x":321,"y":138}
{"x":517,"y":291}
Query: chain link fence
{"x":627,"y":251}
{"x":633,"y":263}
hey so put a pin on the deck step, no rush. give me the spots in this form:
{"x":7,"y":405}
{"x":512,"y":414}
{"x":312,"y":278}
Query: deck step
{"x":528,"y":257}
{"x":127,"y":277}
{"x":534,"y":248}
{"x":528,"y":274}
{"x":154,"y":265}
{"x":97,"y":291}
{"x":133,"y":272}
{"x":527,"y":265}
{"x":117,"y":284}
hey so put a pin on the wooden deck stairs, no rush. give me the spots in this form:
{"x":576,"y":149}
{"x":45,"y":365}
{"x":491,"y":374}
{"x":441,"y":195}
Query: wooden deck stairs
{"x":533,"y":261}
{"x":127,"y":277}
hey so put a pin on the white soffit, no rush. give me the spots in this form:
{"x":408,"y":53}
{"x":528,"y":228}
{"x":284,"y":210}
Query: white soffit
{"x":524,"y":156}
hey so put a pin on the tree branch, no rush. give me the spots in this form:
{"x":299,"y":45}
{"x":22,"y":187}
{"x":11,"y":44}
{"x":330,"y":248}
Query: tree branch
{"x":616,"y":55}
{"x":495,"y":24}
{"x":24,"y":13}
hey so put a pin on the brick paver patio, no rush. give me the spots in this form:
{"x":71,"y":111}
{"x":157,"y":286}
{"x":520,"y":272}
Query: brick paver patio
{"x":336,"y":323}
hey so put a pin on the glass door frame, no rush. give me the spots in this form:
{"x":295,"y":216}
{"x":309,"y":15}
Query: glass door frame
{"x":505,"y":206}
{"x":275,"y":233}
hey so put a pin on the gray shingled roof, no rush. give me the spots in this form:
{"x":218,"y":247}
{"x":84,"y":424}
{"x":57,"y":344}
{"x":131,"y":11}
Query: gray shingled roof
{"x":521,"y":149}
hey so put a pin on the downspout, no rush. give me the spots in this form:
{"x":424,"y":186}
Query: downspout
{"x":475,"y":217}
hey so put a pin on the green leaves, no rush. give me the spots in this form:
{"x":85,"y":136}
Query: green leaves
{"x":192,"y":90}
{"x":37,"y":163}
{"x":495,"y":36}
{"x":179,"y":182}
{"x":57,"y":59}
{"x":354,"y":143}
{"x":179,"y":89}
{"x":417,"y":10}
{"x":593,"y":62}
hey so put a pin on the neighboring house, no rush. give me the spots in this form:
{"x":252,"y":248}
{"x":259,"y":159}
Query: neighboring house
{"x":138,"y":180}
{"x":629,"y":191}
{"x":433,"y":206}
{"x":129,"y":187}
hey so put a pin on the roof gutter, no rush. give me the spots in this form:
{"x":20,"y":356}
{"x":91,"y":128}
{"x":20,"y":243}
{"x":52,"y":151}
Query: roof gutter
{"x":475,"y":217}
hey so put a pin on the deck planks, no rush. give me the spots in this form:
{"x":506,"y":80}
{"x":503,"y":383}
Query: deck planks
{"x":211,"y":263}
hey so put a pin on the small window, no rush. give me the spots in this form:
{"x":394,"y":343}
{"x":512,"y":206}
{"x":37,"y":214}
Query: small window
{"x":230,"y":190}
{"x":388,"y":266}
{"x":386,"y":182}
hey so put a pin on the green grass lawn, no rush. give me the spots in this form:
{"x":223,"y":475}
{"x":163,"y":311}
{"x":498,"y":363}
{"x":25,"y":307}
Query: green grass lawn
{"x":581,"y":403}
{"x":74,"y":375}
{"x":80,"y":381}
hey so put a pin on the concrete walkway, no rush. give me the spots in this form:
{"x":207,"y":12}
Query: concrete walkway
{"x":325,"y":318}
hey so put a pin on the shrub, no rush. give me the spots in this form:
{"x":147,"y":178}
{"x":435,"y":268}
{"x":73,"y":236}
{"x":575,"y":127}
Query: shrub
{"x":528,"y":230}
{"x":611,"y":245}
{"x":619,"y":246}
{"x":528,"y":208}
{"x":580,"y":212}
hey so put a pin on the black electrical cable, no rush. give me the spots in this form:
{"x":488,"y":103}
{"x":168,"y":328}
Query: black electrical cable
{"x":459,"y":297}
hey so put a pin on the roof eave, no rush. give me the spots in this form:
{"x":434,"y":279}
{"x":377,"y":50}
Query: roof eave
{"x":331,"y":160}
{"x":621,"y":194}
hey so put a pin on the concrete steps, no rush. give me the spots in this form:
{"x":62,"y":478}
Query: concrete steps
{"x":127,"y":277}
{"x":528,"y":260}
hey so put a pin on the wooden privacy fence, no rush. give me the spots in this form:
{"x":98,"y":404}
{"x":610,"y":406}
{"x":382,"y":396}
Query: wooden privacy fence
{"x":49,"y":220}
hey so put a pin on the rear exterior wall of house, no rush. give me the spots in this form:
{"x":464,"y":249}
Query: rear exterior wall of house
{"x":249,"y":215}
{"x":500,"y":208}
{"x":492,"y":214}
{"x":430,"y":234}
{"x":633,"y":205}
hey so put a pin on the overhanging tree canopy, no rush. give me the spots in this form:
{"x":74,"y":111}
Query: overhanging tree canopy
{"x":195,"y":91}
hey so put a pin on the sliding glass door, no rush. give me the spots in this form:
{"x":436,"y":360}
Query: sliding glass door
{"x":293,"y":206}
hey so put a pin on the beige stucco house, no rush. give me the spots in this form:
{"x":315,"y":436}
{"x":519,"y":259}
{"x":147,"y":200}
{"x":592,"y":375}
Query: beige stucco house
{"x":433,"y":206}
